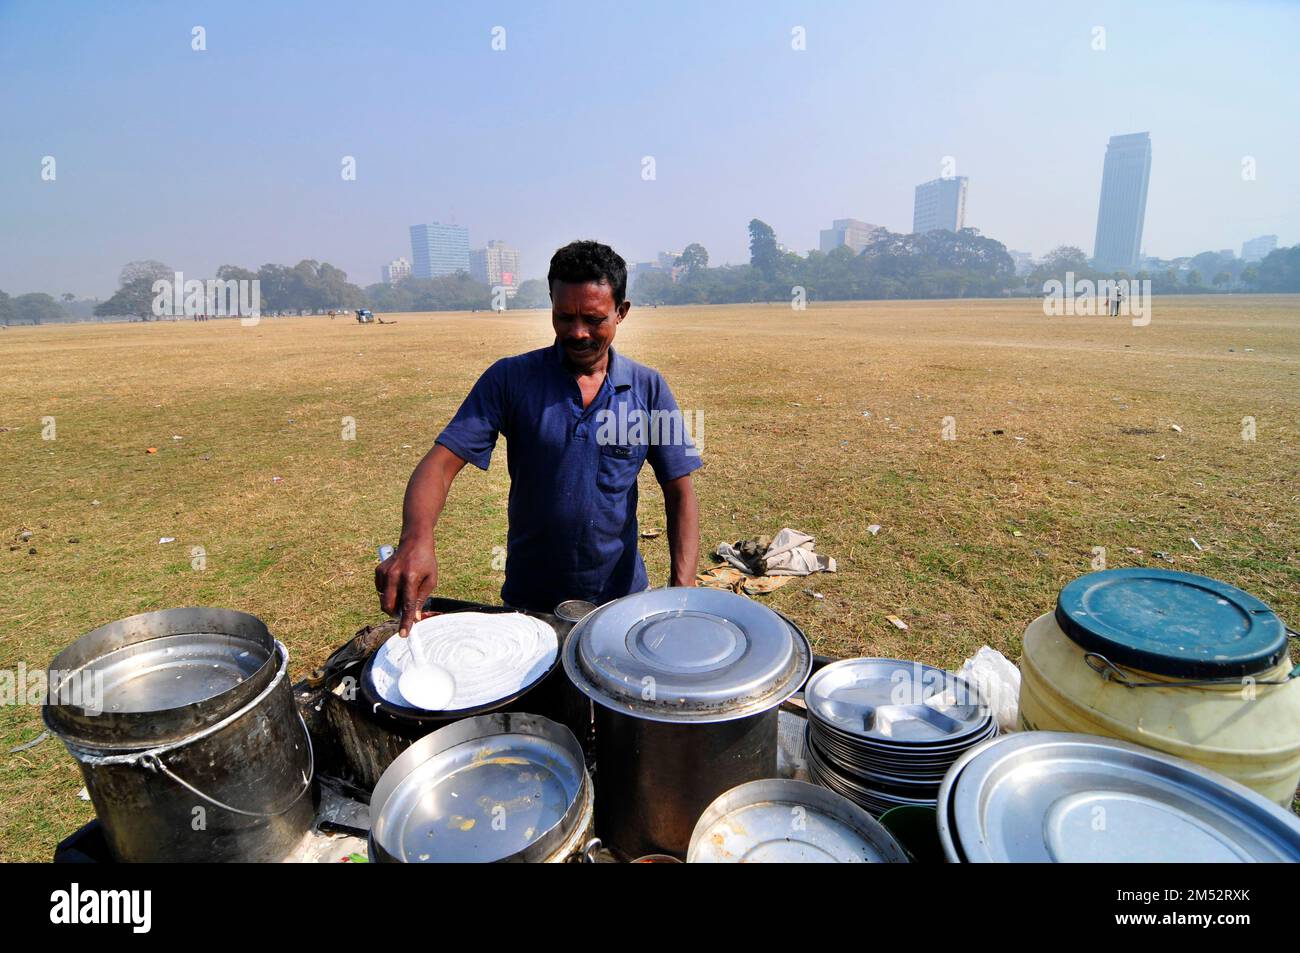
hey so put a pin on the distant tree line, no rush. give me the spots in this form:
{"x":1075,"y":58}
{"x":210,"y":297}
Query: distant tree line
{"x":35,"y":308}
{"x":1206,"y":273}
{"x":938,"y":264}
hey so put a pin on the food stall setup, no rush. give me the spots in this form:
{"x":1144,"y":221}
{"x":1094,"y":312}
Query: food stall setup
{"x":1158,"y":718}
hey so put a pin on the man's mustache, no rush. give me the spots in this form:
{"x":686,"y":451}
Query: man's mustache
{"x":581,"y":346}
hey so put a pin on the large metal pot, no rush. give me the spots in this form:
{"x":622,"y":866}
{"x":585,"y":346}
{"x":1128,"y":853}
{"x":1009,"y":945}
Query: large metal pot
{"x":184,"y":726}
{"x":687,"y":683}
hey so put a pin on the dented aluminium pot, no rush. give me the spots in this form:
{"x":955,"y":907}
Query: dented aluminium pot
{"x":184,"y":726}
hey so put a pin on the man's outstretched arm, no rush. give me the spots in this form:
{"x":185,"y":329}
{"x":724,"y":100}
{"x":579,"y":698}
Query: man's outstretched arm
{"x":410,"y":574}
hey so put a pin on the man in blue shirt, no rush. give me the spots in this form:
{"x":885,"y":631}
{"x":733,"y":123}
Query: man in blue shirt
{"x":579,"y":420}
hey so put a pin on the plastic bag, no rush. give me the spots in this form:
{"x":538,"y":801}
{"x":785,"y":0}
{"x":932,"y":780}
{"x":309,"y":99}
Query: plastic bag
{"x":998,"y":680}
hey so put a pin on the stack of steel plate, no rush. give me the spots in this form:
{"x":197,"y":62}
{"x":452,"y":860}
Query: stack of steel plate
{"x":883,"y":732}
{"x":1048,"y":796}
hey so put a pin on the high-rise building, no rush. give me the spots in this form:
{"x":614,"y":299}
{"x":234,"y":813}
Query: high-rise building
{"x":1257,"y":249}
{"x":665,"y":263}
{"x":497,"y":265}
{"x":1123,"y":205}
{"x":438,"y":250}
{"x":396,"y":270}
{"x":1024,"y":261}
{"x":940,"y":204}
{"x":847,"y":231}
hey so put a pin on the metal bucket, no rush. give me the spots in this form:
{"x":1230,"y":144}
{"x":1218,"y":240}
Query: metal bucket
{"x":575,"y":708}
{"x":191,"y":747}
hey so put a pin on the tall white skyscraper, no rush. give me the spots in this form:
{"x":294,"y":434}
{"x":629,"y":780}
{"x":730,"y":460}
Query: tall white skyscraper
{"x":940,"y":204}
{"x":1123,"y":205}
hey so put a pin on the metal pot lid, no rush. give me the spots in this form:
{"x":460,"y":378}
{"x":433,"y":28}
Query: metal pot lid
{"x":784,"y":821}
{"x":894,"y":703}
{"x":1171,"y":623}
{"x":687,"y":654}
{"x":504,"y":786}
{"x":1056,"y":796}
{"x":158,"y":676}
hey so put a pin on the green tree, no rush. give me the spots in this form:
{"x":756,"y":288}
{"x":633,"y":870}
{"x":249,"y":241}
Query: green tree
{"x":763,"y":253}
{"x":1280,"y":271}
{"x":654,"y":287}
{"x":37,"y":308}
{"x":7,"y":314}
{"x":135,"y":294}
{"x":532,"y":293}
{"x":1065,"y":258}
{"x":694,"y":257}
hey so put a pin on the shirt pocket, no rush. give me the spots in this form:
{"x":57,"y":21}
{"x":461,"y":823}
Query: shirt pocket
{"x":618,"y":467}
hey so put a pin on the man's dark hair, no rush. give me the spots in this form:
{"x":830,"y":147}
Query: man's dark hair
{"x":580,"y":262}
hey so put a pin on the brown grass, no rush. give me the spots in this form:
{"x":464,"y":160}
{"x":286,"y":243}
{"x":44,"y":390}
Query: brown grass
{"x":786,"y":444}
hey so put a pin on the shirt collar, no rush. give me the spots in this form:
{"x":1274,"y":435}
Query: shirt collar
{"x":616,"y":372}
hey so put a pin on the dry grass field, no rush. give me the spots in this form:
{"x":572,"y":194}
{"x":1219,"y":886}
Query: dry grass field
{"x":1065,"y":442}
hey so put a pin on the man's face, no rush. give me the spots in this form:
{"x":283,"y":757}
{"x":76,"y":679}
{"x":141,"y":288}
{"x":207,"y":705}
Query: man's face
{"x":585,"y":318}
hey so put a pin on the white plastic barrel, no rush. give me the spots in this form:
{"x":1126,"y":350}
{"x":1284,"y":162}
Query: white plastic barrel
{"x":1215,"y":690}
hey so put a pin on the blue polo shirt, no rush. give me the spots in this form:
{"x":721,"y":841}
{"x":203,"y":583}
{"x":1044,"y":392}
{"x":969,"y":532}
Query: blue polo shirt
{"x":573,"y":471}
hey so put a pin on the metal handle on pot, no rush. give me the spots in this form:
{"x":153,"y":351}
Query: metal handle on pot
{"x":1110,"y":672}
{"x":587,"y":854}
{"x":150,"y":761}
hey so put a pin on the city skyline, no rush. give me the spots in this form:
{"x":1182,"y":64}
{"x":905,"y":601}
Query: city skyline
{"x":200,"y":158}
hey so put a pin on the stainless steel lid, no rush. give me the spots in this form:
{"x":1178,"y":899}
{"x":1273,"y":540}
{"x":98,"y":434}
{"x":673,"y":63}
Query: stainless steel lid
{"x":158,"y":676}
{"x":687,"y":654}
{"x":504,"y":786}
{"x":784,"y":821}
{"x":1055,"y":796}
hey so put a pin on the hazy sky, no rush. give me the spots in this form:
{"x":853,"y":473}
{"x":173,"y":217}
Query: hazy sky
{"x":234,"y":154}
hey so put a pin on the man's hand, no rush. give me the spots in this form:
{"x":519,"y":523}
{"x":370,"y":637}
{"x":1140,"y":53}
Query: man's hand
{"x":405,"y":579}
